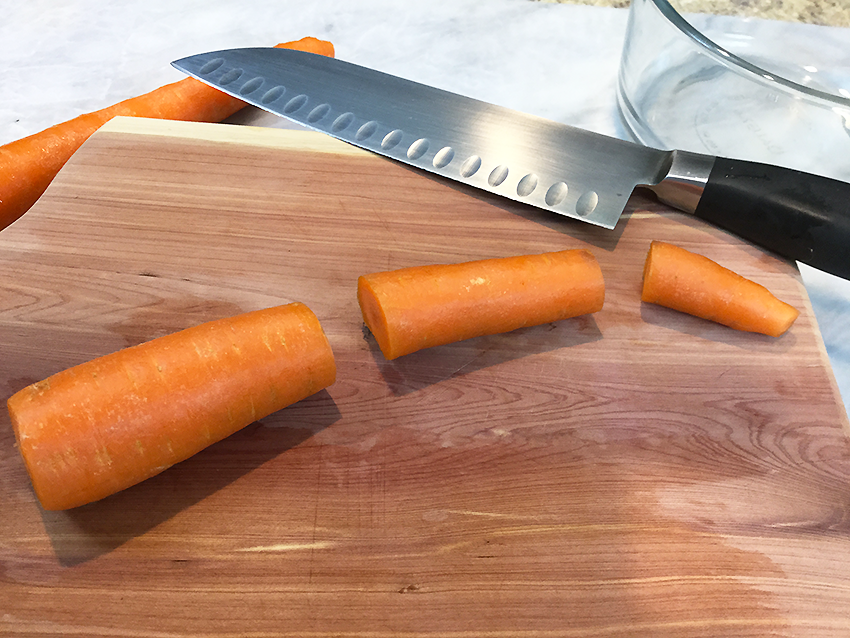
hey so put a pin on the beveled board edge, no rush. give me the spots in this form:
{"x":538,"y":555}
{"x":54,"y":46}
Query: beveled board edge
{"x":286,"y":139}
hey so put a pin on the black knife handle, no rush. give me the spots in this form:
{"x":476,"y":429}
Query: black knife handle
{"x":794,"y":214}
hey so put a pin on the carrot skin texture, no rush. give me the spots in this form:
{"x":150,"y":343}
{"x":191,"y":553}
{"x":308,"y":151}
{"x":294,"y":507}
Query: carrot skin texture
{"x":424,"y":306}
{"x":28,"y":165}
{"x":694,"y":284}
{"x":102,"y":426}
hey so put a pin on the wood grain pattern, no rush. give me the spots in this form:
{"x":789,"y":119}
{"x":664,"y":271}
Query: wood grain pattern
{"x":634,"y":473}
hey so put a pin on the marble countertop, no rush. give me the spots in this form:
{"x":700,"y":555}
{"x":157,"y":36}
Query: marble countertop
{"x":824,"y":12}
{"x":553,"y":59}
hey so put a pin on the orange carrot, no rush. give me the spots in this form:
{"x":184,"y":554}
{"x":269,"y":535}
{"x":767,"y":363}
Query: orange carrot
{"x":107,"y":424}
{"x":28,"y":165}
{"x":682,"y":280}
{"x":424,"y":306}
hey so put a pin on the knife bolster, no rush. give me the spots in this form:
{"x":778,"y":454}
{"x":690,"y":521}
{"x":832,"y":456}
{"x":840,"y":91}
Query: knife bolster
{"x":685,"y":182}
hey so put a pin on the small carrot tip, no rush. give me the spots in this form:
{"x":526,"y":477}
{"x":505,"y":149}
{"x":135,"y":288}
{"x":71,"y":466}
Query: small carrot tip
{"x":694,"y":284}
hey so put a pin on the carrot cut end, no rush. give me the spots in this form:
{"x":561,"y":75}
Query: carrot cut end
{"x":374,"y":316}
{"x":112,"y":422}
{"x":310,"y":45}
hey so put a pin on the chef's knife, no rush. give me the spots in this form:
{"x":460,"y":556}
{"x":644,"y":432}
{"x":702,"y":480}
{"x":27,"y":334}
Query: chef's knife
{"x":560,"y":168}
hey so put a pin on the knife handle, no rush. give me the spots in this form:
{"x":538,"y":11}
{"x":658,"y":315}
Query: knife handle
{"x":794,"y":214}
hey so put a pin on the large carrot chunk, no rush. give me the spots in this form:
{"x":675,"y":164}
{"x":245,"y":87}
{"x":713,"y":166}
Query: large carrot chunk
{"x":694,"y":284}
{"x":102,"y":426}
{"x":424,"y":306}
{"x":28,"y":165}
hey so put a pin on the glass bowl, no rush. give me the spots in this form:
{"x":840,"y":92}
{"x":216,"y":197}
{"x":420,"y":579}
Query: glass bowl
{"x":762,"y":90}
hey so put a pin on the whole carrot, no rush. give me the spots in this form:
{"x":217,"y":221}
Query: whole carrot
{"x":28,"y":165}
{"x":102,"y":426}
{"x":424,"y":306}
{"x":694,"y":284}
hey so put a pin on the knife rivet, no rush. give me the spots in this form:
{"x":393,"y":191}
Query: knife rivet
{"x":587,"y":203}
{"x":272,"y":94}
{"x":444,"y":157}
{"x":527,"y":185}
{"x":417,"y":149}
{"x":498,"y":175}
{"x":391,"y":139}
{"x":556,"y":194}
{"x":470,"y":166}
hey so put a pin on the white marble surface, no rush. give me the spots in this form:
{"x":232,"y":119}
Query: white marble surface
{"x":559,"y":61}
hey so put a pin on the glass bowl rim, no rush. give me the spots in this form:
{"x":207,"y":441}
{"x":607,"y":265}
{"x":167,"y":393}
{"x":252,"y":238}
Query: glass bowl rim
{"x":727,"y":57}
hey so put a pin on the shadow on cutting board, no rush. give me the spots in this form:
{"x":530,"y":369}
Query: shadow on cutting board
{"x":424,"y":368}
{"x":686,"y":324}
{"x":85,"y":533}
{"x":602,"y":238}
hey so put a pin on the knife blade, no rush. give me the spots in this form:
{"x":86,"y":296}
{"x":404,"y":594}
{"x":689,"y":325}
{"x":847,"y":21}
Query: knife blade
{"x":560,"y":168}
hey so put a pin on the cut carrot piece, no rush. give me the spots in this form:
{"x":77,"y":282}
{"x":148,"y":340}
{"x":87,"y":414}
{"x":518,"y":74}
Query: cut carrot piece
{"x":107,"y":424}
{"x":28,"y":165}
{"x":690,"y":283}
{"x":424,"y":306}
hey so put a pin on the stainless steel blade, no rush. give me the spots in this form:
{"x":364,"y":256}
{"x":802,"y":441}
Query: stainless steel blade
{"x":529,"y":159}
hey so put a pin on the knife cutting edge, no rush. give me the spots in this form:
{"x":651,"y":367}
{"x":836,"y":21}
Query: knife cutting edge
{"x":560,"y":168}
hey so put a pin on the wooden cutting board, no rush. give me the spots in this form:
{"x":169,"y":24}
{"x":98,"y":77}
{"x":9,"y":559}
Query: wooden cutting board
{"x":638,"y":472}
